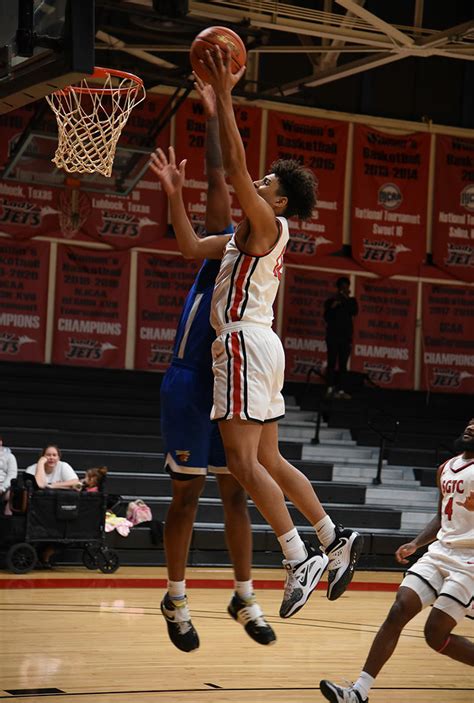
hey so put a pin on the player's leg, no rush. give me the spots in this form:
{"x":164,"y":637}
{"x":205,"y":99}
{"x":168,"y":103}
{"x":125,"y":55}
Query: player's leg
{"x":185,"y":430}
{"x":438,"y":629}
{"x":407,"y":605}
{"x":243,"y":606}
{"x":449,"y":609}
{"x":342,"y":546}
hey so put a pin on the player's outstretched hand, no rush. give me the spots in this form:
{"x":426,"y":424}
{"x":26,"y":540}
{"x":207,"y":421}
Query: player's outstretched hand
{"x":406,"y":550}
{"x":219,"y":69}
{"x":468,"y":503}
{"x":171,"y":176}
{"x":207,"y":95}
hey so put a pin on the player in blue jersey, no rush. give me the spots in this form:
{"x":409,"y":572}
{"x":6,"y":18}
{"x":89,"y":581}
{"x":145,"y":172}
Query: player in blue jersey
{"x":193,"y":445}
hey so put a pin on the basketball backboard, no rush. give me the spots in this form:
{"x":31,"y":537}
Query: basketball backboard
{"x":44,"y":45}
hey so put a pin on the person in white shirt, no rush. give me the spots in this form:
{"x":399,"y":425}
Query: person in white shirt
{"x":8,"y":470}
{"x":51,"y":472}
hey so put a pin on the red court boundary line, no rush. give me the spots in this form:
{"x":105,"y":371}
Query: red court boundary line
{"x":112,"y":582}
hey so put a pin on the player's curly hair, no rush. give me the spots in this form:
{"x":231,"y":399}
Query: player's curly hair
{"x":299,"y":185}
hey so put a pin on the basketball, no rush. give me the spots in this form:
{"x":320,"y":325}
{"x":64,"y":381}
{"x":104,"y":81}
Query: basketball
{"x":222,"y":37}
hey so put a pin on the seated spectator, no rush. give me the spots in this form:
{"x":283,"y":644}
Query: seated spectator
{"x":51,"y":472}
{"x":8,"y":471}
{"x":93,"y":480}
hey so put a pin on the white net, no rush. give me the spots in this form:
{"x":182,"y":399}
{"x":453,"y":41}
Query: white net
{"x":90,"y":120}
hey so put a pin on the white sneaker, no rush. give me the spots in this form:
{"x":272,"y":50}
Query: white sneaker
{"x":343,"y":555}
{"x":338,"y":694}
{"x":301,"y":580}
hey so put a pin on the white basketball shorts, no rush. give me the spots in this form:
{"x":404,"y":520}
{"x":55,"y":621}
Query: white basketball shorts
{"x":444,"y":578}
{"x":248,"y":363}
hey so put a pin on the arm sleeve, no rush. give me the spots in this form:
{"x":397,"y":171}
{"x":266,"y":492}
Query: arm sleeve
{"x":12,"y":471}
{"x":67,"y":472}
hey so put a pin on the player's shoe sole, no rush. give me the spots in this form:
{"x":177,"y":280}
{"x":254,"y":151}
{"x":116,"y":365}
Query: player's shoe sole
{"x":343,"y":555}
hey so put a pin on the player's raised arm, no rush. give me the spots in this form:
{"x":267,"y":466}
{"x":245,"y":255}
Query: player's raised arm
{"x":258,"y":211}
{"x":171,"y":177}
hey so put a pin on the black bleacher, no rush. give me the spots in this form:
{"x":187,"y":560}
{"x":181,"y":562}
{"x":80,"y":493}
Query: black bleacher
{"x":101,"y":416}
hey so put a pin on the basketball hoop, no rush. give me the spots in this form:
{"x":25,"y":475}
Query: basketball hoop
{"x":91,"y":117}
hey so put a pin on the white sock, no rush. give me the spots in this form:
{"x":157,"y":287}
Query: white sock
{"x":326,"y":531}
{"x":244,"y":589}
{"x":292,"y":546}
{"x":177,"y":590}
{"x":363,"y":684}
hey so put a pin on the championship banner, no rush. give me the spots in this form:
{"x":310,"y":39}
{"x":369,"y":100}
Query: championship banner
{"x":162,"y":287}
{"x":24,"y":271}
{"x":320,"y":145}
{"x":448,"y":340}
{"x":91,"y":302}
{"x":190,"y":140}
{"x":453,"y":210}
{"x":303,"y":328}
{"x":389,"y":197}
{"x":384,"y":332}
{"x":74,"y":213}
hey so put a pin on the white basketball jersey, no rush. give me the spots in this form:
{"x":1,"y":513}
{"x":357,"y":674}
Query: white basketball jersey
{"x":457,"y":523}
{"x":247,"y":285}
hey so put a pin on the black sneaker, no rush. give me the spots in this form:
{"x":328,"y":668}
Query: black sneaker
{"x":248,"y":612}
{"x":180,"y":628}
{"x":301,"y":580}
{"x":343,"y":555}
{"x":338,"y":694}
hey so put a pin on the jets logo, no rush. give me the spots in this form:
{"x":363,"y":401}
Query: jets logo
{"x":21,"y":213}
{"x":382,"y":251}
{"x":448,"y":378}
{"x":90,"y":349}
{"x":381,"y":373}
{"x":306,"y":244}
{"x":11,"y":343}
{"x":302,"y":366}
{"x":460,"y":255}
{"x":117,"y":224}
{"x":160,"y":356}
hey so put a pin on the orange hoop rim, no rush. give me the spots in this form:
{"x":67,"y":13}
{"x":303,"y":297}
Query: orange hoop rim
{"x":100,"y":72}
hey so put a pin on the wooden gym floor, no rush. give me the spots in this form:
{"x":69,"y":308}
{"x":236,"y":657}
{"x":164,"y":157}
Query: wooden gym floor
{"x":73,"y":636}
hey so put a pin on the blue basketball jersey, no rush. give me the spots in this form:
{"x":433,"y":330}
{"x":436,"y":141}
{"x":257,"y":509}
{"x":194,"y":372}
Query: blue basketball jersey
{"x":194,"y":334}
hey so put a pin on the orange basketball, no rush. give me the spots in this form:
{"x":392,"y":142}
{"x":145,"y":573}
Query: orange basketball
{"x":210,"y":38}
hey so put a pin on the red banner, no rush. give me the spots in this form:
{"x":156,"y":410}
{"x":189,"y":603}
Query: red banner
{"x":24,"y":270}
{"x":384,"y":332}
{"x":448,"y":340}
{"x":190,"y":140}
{"x":162,"y":286}
{"x":453,"y":210}
{"x":93,"y":212}
{"x":389,"y":196}
{"x":91,"y":302}
{"x":320,"y":145}
{"x":303,"y":329}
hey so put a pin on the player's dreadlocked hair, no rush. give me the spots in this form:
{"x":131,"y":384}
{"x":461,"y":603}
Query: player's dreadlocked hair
{"x":298,"y":184}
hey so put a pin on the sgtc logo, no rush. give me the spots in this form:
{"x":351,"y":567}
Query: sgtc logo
{"x":467,"y":197}
{"x":389,"y":196}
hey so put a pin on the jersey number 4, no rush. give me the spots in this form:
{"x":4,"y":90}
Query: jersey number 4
{"x":448,"y":508}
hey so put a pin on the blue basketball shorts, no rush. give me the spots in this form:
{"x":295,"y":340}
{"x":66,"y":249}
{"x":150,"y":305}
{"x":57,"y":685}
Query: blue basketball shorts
{"x":192,"y":443}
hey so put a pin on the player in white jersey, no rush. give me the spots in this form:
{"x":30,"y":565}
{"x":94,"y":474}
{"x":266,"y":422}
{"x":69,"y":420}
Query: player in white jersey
{"x":443,"y":578}
{"x":248,"y":357}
